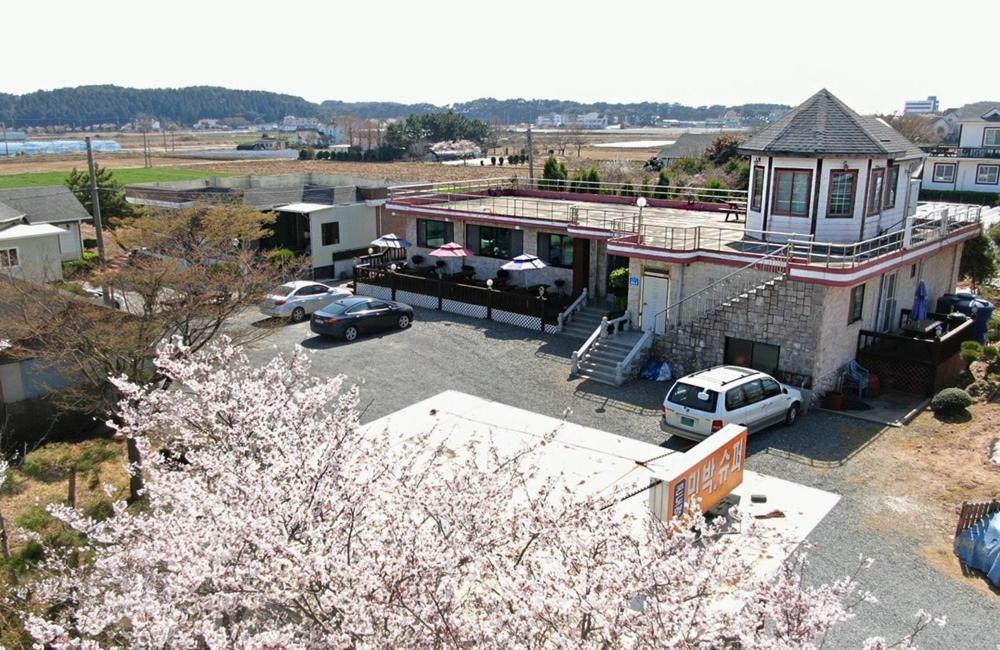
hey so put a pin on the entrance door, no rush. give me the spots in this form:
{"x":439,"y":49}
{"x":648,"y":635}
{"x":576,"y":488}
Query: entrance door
{"x":655,"y":293}
{"x":581,"y":264}
{"x":887,"y":310}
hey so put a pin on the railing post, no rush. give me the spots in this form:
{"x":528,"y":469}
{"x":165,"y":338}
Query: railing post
{"x":489,"y":303}
{"x":392,"y":283}
{"x":355,"y":270}
{"x":604,"y":327}
{"x":440,"y":291}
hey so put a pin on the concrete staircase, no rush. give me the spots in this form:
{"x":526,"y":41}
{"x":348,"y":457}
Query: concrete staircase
{"x":584,"y":322}
{"x":601,"y":359}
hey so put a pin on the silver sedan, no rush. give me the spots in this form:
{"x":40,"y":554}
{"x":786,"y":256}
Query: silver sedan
{"x":296,"y":300}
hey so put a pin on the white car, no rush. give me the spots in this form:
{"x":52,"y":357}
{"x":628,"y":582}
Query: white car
{"x":700,"y":404}
{"x":296,"y":300}
{"x":97,"y":295}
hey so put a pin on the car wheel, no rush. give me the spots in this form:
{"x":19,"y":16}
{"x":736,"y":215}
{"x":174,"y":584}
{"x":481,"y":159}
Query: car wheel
{"x":350,"y":333}
{"x":298,"y":315}
{"x":792,"y":414}
{"x":404,"y":322}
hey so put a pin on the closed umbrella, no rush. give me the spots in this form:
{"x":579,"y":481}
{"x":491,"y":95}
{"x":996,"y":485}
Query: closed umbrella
{"x":524,"y":263}
{"x":919,"y":310}
{"x":391,"y":241}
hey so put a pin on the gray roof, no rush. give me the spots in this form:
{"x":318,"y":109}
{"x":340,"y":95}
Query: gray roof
{"x":49,"y":204}
{"x":7,"y":212}
{"x":689,"y":145}
{"x":824,"y":125}
{"x":976,"y":110}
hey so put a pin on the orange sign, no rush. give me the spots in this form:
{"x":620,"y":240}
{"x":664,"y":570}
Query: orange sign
{"x":710,"y":471}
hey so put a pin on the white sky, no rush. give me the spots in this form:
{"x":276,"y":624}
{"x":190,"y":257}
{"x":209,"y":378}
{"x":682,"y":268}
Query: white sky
{"x":873,"y":54}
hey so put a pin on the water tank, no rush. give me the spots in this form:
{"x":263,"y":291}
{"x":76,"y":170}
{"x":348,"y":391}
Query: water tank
{"x":971,"y":305}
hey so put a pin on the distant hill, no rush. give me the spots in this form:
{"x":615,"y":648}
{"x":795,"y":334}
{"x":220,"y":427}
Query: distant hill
{"x":86,"y":105}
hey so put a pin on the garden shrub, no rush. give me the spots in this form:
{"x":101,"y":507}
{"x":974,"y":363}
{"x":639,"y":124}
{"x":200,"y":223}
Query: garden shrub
{"x":619,"y":278}
{"x":281,"y":256}
{"x":951,"y":400}
{"x":970,"y":352}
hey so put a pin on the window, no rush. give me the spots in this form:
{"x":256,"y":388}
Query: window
{"x":735,"y":399}
{"x":490,"y":241}
{"x":842,"y":186}
{"x":9,"y":258}
{"x":687,"y":395}
{"x":753,"y":391}
{"x":434,"y":234}
{"x":875,"y":186}
{"x":944,"y":173}
{"x":757,"y":197}
{"x":751,"y":354}
{"x":791,"y":192}
{"x":555,"y":250}
{"x":330,"y":233}
{"x":856,"y":309}
{"x":991,"y":137}
{"x":987,"y":174}
{"x":311,"y":290}
{"x":891,"y":181}
{"x":771,"y":387}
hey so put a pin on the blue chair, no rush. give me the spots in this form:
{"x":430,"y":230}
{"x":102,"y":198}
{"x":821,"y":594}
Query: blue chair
{"x":855,"y":377}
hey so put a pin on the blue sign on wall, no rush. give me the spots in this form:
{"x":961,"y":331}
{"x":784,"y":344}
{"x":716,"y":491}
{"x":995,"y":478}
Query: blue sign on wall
{"x":634,"y":281}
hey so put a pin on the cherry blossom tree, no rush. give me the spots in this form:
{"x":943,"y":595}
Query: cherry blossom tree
{"x":271,"y":519}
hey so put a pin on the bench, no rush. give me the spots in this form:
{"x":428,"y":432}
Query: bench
{"x":735,"y":209}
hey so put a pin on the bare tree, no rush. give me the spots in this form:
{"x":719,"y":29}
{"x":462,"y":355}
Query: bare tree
{"x":191,"y":273}
{"x":915,"y":128}
{"x":578,"y":138}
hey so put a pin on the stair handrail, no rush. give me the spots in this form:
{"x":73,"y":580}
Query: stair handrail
{"x":624,"y":364}
{"x":780,"y":256}
{"x":599,"y":333}
{"x":569,"y":312}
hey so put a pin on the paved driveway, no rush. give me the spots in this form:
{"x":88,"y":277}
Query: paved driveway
{"x":530,"y":370}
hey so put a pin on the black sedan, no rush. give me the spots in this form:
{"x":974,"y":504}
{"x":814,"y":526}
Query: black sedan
{"x":348,"y":317}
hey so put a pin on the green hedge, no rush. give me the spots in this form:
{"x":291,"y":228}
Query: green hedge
{"x":980,"y":198}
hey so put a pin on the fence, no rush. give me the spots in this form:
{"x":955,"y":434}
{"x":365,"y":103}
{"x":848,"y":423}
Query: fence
{"x":522,"y":310}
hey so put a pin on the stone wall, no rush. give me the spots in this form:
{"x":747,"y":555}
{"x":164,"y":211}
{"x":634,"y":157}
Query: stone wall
{"x":786,"y":314}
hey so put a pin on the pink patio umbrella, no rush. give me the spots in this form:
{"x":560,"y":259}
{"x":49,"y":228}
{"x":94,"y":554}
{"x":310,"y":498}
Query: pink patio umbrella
{"x":451,"y":250}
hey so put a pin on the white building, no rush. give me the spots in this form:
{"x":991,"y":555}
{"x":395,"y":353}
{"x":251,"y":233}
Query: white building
{"x":921,"y":106}
{"x":591,"y":121}
{"x":300,"y":122}
{"x":974,"y":164}
{"x":550,"y":120}
{"x":30,"y":252}
{"x":52,"y":205}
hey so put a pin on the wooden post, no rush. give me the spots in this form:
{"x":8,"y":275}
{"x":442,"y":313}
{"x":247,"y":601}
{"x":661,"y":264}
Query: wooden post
{"x":440,"y":290}
{"x":392,"y":283}
{"x":72,"y":488}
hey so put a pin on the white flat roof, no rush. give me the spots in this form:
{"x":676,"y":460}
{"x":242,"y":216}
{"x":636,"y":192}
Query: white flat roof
{"x":24,"y":231}
{"x":596,"y":461}
{"x":303,"y":208}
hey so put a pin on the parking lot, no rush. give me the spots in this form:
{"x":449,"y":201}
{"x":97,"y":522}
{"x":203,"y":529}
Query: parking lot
{"x":530,"y":370}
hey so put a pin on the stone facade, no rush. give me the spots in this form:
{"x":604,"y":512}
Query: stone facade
{"x":783,"y":313}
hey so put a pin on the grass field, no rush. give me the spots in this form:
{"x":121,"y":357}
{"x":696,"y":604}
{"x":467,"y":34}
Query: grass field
{"x":126,"y":176}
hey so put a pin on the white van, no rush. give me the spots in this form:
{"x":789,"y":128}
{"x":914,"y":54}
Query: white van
{"x":700,"y":404}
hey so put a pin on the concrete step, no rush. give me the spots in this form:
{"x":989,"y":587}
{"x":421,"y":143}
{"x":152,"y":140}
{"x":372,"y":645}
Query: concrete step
{"x":613,"y":345}
{"x":596,"y":375}
{"x":605,"y":356}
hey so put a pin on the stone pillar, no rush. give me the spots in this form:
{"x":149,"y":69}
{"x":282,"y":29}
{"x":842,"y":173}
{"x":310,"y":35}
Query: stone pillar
{"x":598,"y":279}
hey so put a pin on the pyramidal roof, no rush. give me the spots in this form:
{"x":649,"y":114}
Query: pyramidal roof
{"x":825,"y":126}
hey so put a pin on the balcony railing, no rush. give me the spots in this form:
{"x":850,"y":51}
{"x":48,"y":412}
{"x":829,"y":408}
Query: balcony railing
{"x":964,"y":152}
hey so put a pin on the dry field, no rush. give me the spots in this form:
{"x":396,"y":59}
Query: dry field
{"x":918,"y":476}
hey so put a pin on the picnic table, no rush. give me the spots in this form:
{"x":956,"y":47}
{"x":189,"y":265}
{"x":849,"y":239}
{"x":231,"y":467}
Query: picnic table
{"x":735,"y":209}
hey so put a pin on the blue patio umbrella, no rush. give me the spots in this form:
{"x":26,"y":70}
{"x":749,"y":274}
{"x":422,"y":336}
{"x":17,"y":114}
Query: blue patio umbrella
{"x":524,"y":263}
{"x":391,"y":240}
{"x":919,"y":311}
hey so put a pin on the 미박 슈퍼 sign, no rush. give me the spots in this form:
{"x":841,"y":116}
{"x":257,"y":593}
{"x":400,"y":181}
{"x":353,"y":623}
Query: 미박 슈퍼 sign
{"x":710,"y":471}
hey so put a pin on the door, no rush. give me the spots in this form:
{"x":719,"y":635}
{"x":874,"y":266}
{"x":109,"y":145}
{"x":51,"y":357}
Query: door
{"x":655,"y":293}
{"x":773,"y":403}
{"x":887,"y":310}
{"x":379,"y":316}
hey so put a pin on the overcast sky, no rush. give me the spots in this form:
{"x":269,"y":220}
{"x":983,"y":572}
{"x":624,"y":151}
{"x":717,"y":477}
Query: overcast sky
{"x":873,"y":54}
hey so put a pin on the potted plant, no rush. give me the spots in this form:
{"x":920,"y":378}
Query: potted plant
{"x":560,"y":283}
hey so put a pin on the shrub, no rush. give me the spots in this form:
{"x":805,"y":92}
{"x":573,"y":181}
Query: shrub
{"x":619,"y":278}
{"x":493,"y":160}
{"x":951,"y":400}
{"x":307,"y":153}
{"x":970,"y":352}
{"x":993,"y":328}
{"x":35,"y":518}
{"x":281,"y":256}
{"x":981,"y":387}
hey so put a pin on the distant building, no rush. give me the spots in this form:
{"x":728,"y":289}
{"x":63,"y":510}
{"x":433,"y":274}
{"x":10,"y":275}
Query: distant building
{"x":732,"y":120}
{"x":921,"y":106}
{"x":687,"y":145}
{"x":455,"y":150}
{"x":292,"y":123}
{"x":973,"y":165}
{"x":591,"y":121}
{"x":50,"y":205}
{"x":208,"y":123}
{"x":264,"y":143}
{"x":550,"y":120}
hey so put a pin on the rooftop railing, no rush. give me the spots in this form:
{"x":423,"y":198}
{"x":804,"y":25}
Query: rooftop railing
{"x":964,"y":152}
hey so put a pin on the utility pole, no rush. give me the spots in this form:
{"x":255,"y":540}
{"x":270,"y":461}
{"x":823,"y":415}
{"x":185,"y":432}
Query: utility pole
{"x":95,"y":200}
{"x":531,"y":159}
{"x":6,"y":149}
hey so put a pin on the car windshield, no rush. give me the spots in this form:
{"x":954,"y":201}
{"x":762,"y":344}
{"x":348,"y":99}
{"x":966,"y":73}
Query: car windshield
{"x":687,"y":395}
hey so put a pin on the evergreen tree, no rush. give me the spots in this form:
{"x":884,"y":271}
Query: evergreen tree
{"x":553,"y":173}
{"x":111,"y":192}
{"x":662,"y":183}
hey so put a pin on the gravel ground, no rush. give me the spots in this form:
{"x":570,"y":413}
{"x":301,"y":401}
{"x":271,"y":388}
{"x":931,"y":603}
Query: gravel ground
{"x":530,"y":370}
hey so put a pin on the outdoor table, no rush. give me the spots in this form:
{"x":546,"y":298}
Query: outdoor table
{"x":923,"y":327}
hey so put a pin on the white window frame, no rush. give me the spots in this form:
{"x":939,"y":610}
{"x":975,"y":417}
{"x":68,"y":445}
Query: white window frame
{"x":979,"y":174}
{"x":941,"y":179}
{"x":5,"y":257}
{"x":995,"y":132}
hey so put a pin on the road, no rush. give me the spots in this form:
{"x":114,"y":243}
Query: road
{"x":530,"y":370}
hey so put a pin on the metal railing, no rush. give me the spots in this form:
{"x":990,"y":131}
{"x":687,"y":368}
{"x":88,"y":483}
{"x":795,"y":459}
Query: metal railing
{"x":964,"y":152}
{"x":742,"y":283}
